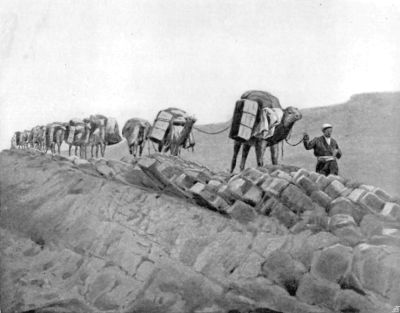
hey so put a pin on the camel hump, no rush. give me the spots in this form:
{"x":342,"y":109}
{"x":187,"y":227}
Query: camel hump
{"x":58,"y":125}
{"x":135,"y":121}
{"x":99,"y":119}
{"x":178,"y":116}
{"x":264,"y":99}
{"x":76,"y":122}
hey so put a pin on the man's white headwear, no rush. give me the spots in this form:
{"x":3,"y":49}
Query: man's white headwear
{"x":325,"y":126}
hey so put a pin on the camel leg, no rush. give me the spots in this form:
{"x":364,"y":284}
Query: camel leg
{"x":141,"y":147}
{"x":173,"y":150}
{"x":148,"y":145}
{"x":236,"y":149}
{"x":165,"y":149}
{"x":103,"y":150}
{"x":134,"y":149}
{"x":274,"y":154}
{"x":245,"y":153}
{"x":259,"y":153}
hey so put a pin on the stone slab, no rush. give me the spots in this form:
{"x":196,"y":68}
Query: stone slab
{"x":391,"y":209}
{"x":332,"y":263}
{"x":317,"y":291}
{"x":321,"y":198}
{"x":242,"y":212}
{"x":335,"y":189}
{"x":274,"y":187}
{"x":382,"y":194}
{"x":294,"y":198}
{"x":253,"y":196}
{"x":343,"y":205}
{"x":306,"y":184}
{"x":356,"y":194}
{"x":372,"y":202}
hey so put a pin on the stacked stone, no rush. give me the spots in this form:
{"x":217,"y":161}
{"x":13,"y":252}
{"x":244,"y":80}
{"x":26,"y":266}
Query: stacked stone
{"x":298,"y":199}
{"x":361,"y":222}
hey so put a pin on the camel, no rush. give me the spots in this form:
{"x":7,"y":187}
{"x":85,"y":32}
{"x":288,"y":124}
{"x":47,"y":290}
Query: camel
{"x":176,"y":136}
{"x":104,"y":131}
{"x":97,"y":137}
{"x":25,"y":135}
{"x":18,"y":137}
{"x":38,"y":137}
{"x":136,"y":132}
{"x":83,"y":141}
{"x":33,"y":136}
{"x":282,"y":130}
{"x":14,"y":141}
{"x":54,"y":135}
{"x":43,"y":138}
{"x":77,"y":134}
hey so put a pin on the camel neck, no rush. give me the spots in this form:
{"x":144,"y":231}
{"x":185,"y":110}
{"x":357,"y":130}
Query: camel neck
{"x":185,"y":132}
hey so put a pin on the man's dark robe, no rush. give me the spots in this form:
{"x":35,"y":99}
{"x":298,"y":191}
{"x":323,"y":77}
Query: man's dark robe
{"x":322,"y":149}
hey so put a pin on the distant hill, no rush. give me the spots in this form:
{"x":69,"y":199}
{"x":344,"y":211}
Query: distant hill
{"x":366,"y":127}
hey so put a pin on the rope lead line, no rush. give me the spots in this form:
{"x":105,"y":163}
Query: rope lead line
{"x":213,"y":133}
{"x":288,"y":137}
{"x":293,"y":145}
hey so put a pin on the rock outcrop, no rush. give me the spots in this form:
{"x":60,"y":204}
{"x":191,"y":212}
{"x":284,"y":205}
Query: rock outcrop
{"x":162,"y":234}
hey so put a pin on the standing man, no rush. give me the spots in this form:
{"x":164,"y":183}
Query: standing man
{"x":326,"y":150}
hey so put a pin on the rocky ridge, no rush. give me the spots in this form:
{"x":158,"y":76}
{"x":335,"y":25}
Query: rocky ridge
{"x":162,"y":234}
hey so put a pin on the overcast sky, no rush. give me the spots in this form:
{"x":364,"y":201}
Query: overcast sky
{"x":65,"y":59}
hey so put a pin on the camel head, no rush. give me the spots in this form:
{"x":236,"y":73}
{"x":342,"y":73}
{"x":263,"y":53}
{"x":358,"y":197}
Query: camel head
{"x":131,"y":132}
{"x":291,"y":115}
{"x":190,"y":120}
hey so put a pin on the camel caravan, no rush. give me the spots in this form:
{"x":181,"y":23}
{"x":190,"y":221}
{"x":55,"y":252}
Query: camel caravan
{"x":258,"y":120}
{"x":97,"y":131}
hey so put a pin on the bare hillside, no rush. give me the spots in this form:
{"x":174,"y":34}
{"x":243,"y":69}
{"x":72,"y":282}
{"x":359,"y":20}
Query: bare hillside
{"x":165,"y":235}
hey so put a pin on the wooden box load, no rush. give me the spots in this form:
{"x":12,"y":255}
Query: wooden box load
{"x":160,"y":126}
{"x":244,"y":119}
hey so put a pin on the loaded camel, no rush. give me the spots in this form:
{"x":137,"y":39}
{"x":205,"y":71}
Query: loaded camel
{"x":176,"y":136}
{"x":281,"y":132}
{"x":24,"y":140}
{"x":18,"y":139}
{"x":77,"y":134}
{"x":97,"y":136}
{"x":54,"y":136}
{"x":104,"y":131}
{"x":39,"y":137}
{"x":136,"y":132}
